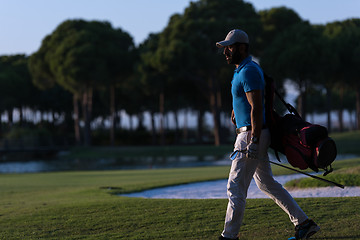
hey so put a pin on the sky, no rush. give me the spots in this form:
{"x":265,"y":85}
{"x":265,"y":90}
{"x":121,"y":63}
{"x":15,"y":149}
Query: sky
{"x":24,"y":23}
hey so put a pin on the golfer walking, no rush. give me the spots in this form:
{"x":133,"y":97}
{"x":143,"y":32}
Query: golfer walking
{"x":250,"y":158}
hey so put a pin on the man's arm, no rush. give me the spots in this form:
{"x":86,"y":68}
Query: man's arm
{"x":255,"y":100}
{"x":233,"y":117}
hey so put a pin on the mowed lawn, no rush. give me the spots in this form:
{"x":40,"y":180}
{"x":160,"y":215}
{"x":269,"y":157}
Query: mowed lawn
{"x":84,"y":205}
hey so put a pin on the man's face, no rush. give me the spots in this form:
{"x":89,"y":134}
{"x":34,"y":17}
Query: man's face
{"x":232,"y":54}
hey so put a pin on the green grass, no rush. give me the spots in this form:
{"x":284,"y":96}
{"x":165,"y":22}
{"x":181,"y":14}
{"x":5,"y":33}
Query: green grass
{"x":347,"y":173}
{"x":347,"y":142}
{"x":351,"y":177}
{"x":82,"y":205}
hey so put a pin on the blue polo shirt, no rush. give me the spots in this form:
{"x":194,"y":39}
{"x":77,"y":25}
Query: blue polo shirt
{"x":247,"y":77}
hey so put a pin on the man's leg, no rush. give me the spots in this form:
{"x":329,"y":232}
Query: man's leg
{"x":266,"y":183}
{"x":241,"y":173}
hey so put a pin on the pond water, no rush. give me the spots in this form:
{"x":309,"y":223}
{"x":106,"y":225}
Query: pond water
{"x":61,"y":164}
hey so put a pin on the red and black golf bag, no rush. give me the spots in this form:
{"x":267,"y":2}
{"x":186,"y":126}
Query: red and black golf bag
{"x":305,"y":145}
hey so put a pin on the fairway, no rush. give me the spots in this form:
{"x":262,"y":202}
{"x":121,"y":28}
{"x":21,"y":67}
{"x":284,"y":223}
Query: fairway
{"x":83,"y":205}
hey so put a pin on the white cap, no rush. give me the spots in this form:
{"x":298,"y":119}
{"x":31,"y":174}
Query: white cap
{"x":234,"y":36}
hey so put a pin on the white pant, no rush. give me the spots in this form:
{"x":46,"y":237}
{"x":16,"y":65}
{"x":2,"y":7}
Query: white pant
{"x":241,"y":173}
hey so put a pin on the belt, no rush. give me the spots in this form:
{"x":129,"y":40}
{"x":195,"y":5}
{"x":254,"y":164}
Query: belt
{"x":246,"y":128}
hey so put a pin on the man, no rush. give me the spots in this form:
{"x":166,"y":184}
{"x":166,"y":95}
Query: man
{"x":250,"y":158}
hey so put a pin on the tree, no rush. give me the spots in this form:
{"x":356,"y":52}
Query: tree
{"x":16,"y":89}
{"x":58,"y":102}
{"x":187,"y":50}
{"x":293,"y":54}
{"x":275,"y":21}
{"x":81,"y":56}
{"x":121,"y":56}
{"x":351,"y":48}
{"x":152,"y":82}
{"x":324,"y":75}
{"x":343,"y":41}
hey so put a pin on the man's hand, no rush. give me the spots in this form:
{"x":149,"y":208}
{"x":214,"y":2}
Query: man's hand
{"x":252,"y":150}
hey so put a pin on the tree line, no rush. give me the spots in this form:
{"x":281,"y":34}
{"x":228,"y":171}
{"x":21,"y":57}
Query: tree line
{"x":86,"y":70}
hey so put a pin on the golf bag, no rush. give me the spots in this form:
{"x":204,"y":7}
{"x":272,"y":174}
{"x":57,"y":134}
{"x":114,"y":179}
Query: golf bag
{"x":305,"y":145}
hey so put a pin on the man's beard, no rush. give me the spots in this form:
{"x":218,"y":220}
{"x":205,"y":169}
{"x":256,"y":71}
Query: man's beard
{"x":233,"y":58}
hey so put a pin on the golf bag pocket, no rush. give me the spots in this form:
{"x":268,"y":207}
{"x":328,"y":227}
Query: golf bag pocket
{"x":297,"y":154}
{"x":310,"y":135}
{"x":310,"y":147}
